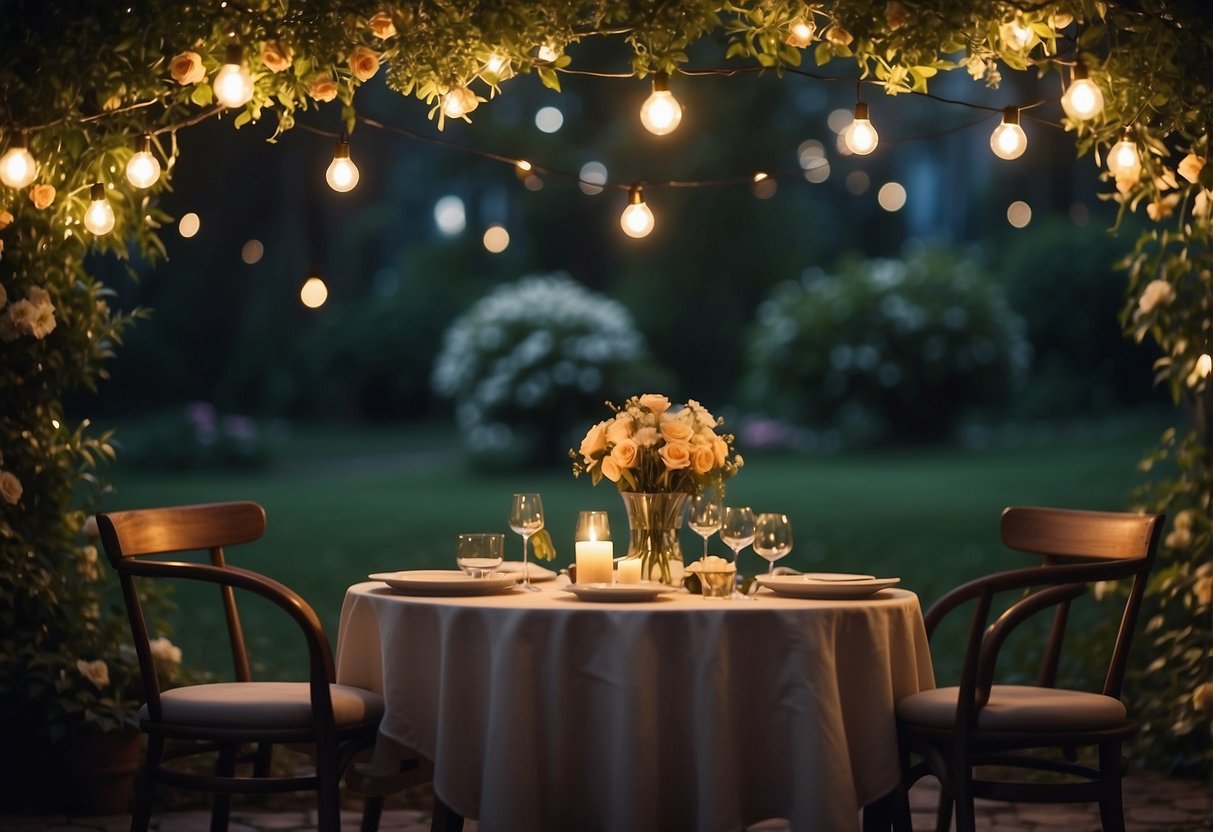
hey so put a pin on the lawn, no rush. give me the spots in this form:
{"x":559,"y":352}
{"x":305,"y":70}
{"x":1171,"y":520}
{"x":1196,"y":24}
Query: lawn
{"x":348,"y":500}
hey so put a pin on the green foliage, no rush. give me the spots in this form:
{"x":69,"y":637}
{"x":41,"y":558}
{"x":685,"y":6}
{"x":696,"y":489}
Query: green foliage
{"x":886,"y":349}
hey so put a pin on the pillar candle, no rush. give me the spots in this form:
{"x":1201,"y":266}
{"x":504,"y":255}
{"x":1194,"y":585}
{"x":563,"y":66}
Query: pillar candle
{"x":629,"y":571}
{"x":594,"y":559}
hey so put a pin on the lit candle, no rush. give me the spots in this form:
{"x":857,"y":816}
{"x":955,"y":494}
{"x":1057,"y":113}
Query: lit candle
{"x":629,"y":571}
{"x":594,"y":560}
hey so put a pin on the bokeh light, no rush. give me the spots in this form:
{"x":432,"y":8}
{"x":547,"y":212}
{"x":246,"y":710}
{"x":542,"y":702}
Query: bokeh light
{"x":313,"y":293}
{"x":450,"y":215}
{"x":891,"y":196}
{"x":593,"y":176}
{"x":189,"y":225}
{"x":496,"y":239}
{"x":1019,"y":213}
{"x":858,"y":182}
{"x":252,"y":252}
{"x":549,"y":119}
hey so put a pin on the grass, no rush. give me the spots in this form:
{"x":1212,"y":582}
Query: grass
{"x":348,"y":500}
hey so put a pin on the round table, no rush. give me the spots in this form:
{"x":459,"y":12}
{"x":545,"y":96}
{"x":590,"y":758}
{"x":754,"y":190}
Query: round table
{"x":544,"y":712}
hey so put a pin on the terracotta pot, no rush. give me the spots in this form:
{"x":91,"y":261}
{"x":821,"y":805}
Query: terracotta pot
{"x":102,"y":768}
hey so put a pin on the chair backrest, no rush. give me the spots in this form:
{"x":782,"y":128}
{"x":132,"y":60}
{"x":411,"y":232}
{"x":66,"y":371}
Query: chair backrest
{"x":1070,"y":535}
{"x":128,"y":535}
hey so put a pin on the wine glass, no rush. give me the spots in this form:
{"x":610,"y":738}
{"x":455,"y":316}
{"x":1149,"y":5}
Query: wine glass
{"x":737,"y":531}
{"x":526,"y":518}
{"x":704,"y":516}
{"x":773,"y":537}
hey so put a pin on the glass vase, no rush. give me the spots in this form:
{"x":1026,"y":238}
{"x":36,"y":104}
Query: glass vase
{"x":654,"y":520}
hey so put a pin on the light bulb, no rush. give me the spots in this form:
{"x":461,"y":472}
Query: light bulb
{"x":233,"y":85}
{"x":17,"y":165}
{"x":637,"y":218}
{"x":547,"y":54}
{"x":1123,"y":159}
{"x":458,"y":101}
{"x":661,"y":112}
{"x":99,"y":218}
{"x":143,"y":170}
{"x":1083,"y":99}
{"x":800,"y":33}
{"x":860,"y":136}
{"x":342,"y":173}
{"x":1204,"y":365}
{"x":1008,"y":141}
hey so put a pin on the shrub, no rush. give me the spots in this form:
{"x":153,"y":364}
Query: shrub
{"x":885,"y":349}
{"x":529,"y":364}
{"x":200,"y":437}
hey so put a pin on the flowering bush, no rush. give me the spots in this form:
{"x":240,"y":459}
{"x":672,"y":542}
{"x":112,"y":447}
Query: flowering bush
{"x":886,"y":349}
{"x":201,"y":437}
{"x":532,"y":359}
{"x":649,"y":446}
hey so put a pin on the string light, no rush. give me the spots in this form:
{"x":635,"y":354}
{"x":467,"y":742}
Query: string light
{"x":1008,"y":141}
{"x":1083,"y":100}
{"x":661,"y":113}
{"x":99,"y":218}
{"x":233,"y":85}
{"x":800,"y":33}
{"x":313,"y":293}
{"x":17,"y":165}
{"x":458,"y":102}
{"x":1204,"y":365}
{"x":342,"y":173}
{"x":637,"y":219}
{"x":1123,"y":160}
{"x":143,"y":170}
{"x":860,"y":136}
{"x":547,"y":54}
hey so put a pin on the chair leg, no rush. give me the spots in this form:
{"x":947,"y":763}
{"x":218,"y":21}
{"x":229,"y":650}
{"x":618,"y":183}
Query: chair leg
{"x":445,"y":818}
{"x":328,"y":788}
{"x":1111,"y":803}
{"x":943,"y":812}
{"x":221,"y":803}
{"x":371,"y":811}
{"x":141,"y":817}
{"x":878,"y":815}
{"x":263,"y":759}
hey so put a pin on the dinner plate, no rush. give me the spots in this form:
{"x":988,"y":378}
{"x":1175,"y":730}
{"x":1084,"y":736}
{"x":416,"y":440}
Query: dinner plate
{"x":444,"y":582}
{"x":802,"y":586}
{"x":834,"y":577}
{"x":645,"y":591}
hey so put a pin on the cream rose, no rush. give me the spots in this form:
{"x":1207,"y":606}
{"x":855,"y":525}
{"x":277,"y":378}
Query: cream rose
{"x":10,"y":487}
{"x":164,"y":650}
{"x":611,"y":469}
{"x":625,"y":454}
{"x":382,"y":26}
{"x":42,"y":196}
{"x":364,"y":63}
{"x":1157,"y":293}
{"x":96,"y":672}
{"x":38,"y":296}
{"x":323,"y":88}
{"x":655,"y":402}
{"x":22,"y":314}
{"x":703,"y":459}
{"x":276,"y":55}
{"x":620,"y":428}
{"x":839,"y":36}
{"x":44,"y":321}
{"x":676,"y":455}
{"x":186,"y":68}
{"x":675,"y":429}
{"x":1190,"y":167}
{"x":594,"y":442}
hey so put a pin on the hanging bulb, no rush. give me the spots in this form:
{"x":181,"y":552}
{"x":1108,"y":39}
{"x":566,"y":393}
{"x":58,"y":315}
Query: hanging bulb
{"x":233,"y":85}
{"x":1008,"y":141}
{"x":143,"y":170}
{"x":1204,"y":365}
{"x":637,"y":218}
{"x":860,"y":136}
{"x":1123,"y":159}
{"x":661,"y":112}
{"x":458,"y":101}
{"x":99,"y":218}
{"x":1083,"y":99}
{"x":17,"y":165}
{"x":800,"y":33}
{"x":342,"y":173}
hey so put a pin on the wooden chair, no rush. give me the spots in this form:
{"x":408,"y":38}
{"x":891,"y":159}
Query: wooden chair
{"x":332,"y":721}
{"x":980,"y":723}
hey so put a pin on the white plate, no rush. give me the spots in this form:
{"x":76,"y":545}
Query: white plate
{"x":645,"y":591}
{"x":835,"y":576}
{"x":801,"y":586}
{"x":443,"y":582}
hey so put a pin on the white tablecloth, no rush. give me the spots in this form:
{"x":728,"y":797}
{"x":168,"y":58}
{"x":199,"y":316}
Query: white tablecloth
{"x":543,"y":712}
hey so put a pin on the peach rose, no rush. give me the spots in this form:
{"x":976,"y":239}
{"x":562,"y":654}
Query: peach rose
{"x":625,"y":454}
{"x":382,"y":26}
{"x":323,"y":88}
{"x":676,"y":455}
{"x":620,"y":428}
{"x":10,"y":487}
{"x":96,"y":672}
{"x":186,"y":68}
{"x":1161,"y":208}
{"x":702,"y":459}
{"x":655,"y":402}
{"x":1156,"y":293}
{"x":611,"y":469}
{"x":6,"y":220}
{"x":1190,"y":167}
{"x":839,"y":36}
{"x":896,"y":14}
{"x":276,"y":55}
{"x":676,"y":430}
{"x":164,"y":650}
{"x":1203,"y":590}
{"x":364,"y":63}
{"x":720,"y":449}
{"x":594,"y":442}
{"x":42,"y":196}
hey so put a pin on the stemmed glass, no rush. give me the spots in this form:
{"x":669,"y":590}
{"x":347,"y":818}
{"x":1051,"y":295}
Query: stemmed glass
{"x":704,"y":516}
{"x":773,"y":537}
{"x":526,"y":518}
{"x":737,"y":531}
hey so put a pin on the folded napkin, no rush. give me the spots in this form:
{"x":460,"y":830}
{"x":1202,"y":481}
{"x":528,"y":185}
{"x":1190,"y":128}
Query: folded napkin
{"x":784,"y":570}
{"x":534,"y":571}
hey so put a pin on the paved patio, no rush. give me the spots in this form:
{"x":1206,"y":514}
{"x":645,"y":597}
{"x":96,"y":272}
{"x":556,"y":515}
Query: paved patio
{"x":1153,"y":803}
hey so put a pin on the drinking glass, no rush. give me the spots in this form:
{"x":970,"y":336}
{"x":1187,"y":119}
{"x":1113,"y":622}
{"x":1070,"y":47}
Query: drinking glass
{"x":526,"y":518}
{"x":592,"y":525}
{"x":773,"y":537}
{"x":480,"y":554}
{"x":737,"y":531}
{"x":704,"y":516}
